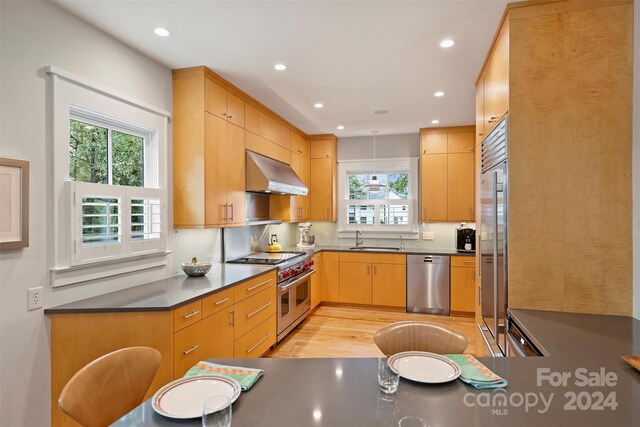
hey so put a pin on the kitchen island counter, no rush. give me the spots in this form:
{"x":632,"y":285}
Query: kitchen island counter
{"x":344,"y":392}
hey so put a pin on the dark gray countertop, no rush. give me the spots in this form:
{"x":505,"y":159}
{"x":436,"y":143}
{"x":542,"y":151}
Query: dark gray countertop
{"x":169,"y":293}
{"x":406,"y":251}
{"x":344,"y":392}
{"x":165,"y":294}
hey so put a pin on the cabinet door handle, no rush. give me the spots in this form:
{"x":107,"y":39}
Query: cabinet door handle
{"x":229,"y":116}
{"x":224,"y":114}
{"x":195,"y":347}
{"x":186,"y":316}
{"x":232,"y":320}
{"x":469,"y":262}
{"x":259,"y":310}
{"x":258,"y":285}
{"x":375,"y":270}
{"x":231,"y":211}
{"x":258,"y":343}
{"x":221,"y":301}
{"x":368,"y":270}
{"x":226,"y":212}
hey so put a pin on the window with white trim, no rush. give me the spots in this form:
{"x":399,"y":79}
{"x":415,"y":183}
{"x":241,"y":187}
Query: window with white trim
{"x":391,"y":209}
{"x":109,"y":185}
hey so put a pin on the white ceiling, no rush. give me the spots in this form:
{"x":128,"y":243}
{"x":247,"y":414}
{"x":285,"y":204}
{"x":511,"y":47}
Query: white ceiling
{"x":353,"y":56}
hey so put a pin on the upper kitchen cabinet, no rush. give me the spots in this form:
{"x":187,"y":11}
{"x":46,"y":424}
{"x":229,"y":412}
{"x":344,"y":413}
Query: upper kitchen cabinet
{"x":323,"y":177}
{"x":493,"y":84}
{"x":223,"y":103}
{"x":208,"y":156}
{"x":447,"y":174}
{"x":569,"y":152}
{"x":294,"y":208}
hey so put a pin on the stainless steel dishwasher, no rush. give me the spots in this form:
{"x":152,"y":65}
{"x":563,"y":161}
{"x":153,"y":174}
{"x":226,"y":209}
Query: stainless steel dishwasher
{"x":428,"y":284}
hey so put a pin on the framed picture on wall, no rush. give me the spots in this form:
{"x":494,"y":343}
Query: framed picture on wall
{"x":14,"y":203}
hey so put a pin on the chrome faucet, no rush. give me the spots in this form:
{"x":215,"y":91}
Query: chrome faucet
{"x":401,"y":242}
{"x":358,"y":242}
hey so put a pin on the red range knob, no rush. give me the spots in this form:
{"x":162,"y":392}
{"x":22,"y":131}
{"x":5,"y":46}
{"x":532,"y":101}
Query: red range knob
{"x":311,"y":263}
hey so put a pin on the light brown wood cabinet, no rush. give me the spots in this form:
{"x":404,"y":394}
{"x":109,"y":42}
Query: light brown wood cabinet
{"x":224,"y":104}
{"x":463,"y":290}
{"x":377,"y":279}
{"x":200,"y":329}
{"x":331,"y":276}
{"x":323,"y":177}
{"x":447,"y":176}
{"x":494,"y":83}
{"x":208,"y":153}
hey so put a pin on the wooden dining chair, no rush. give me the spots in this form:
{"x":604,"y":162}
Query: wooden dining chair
{"x":110,"y":386}
{"x":419,"y":336}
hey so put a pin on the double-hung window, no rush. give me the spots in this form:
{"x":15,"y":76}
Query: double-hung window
{"x":109,"y":186}
{"x":390,"y":209}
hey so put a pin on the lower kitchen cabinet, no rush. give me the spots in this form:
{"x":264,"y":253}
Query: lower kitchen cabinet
{"x":377,"y":279}
{"x":331,"y":276}
{"x":356,"y":282}
{"x":389,"y":285}
{"x":257,"y":341}
{"x":188,"y":349}
{"x":252,"y":311}
{"x":463,"y":285}
{"x":217,"y":334}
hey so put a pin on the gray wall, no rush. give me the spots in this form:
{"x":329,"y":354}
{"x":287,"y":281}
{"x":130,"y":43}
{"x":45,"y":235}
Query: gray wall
{"x":34,"y":34}
{"x":387,"y":146}
{"x":636,"y":163}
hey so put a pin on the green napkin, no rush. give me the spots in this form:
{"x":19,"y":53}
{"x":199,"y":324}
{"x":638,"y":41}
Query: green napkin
{"x":475,"y":373}
{"x":246,"y":377}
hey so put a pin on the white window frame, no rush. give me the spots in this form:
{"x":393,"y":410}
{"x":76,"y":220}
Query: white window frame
{"x":72,"y":97}
{"x":377,"y":230}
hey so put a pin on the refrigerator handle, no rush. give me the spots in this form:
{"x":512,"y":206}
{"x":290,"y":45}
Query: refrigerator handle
{"x":495,"y":189}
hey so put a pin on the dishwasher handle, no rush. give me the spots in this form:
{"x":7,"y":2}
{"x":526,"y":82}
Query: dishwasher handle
{"x":427,"y":259}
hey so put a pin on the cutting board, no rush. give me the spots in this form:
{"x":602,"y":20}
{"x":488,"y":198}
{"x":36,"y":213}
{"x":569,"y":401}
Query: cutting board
{"x":633,"y":361}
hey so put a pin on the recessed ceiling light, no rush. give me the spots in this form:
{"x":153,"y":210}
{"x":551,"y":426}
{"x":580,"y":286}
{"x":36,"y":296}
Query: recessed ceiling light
{"x":380,"y":111}
{"x":447,"y":43}
{"x":280,"y":67}
{"x":340,"y":127}
{"x":435,"y":122}
{"x":318,"y":105}
{"x":438,"y":94}
{"x":162,"y":32}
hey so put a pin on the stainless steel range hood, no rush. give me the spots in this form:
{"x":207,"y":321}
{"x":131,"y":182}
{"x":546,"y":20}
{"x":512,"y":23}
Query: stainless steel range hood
{"x":265,"y":175}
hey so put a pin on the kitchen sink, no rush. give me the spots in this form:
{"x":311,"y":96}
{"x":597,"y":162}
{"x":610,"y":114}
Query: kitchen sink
{"x":374,"y":248}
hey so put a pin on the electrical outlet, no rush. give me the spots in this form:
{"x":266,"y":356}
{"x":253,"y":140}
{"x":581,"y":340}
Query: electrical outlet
{"x":427,"y":235}
{"x":35,"y":298}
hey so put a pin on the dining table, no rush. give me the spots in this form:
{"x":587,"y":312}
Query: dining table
{"x":583,"y":381}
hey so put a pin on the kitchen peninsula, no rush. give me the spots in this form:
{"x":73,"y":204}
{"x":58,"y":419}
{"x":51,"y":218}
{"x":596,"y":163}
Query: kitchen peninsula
{"x":600,"y":388}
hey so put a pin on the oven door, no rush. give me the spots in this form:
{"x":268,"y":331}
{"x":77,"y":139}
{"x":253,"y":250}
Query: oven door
{"x":294,"y":302}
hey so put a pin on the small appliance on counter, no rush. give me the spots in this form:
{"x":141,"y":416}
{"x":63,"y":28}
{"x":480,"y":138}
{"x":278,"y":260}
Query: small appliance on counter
{"x":465,"y":239}
{"x":274,"y":246}
{"x":306,"y":240}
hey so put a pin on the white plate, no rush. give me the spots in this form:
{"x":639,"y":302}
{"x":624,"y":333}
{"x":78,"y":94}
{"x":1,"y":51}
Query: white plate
{"x":424,"y":367}
{"x":184,"y":397}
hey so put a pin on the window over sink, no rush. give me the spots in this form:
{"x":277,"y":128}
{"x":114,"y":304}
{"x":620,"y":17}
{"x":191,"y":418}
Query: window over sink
{"x":389,"y":210}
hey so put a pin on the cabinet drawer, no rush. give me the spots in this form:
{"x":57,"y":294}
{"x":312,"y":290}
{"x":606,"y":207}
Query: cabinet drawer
{"x":258,"y":341}
{"x":187,"y":349}
{"x":253,"y":311}
{"x":253,"y":286}
{"x":463,"y":261}
{"x":186,"y":315}
{"x":219,"y":301}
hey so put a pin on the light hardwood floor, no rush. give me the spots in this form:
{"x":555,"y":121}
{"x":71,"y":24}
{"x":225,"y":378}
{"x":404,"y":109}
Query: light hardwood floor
{"x":339,"y":331}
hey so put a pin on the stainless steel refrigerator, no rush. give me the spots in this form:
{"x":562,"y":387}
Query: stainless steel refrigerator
{"x":493,"y":237}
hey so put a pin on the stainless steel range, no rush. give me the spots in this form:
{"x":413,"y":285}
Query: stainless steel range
{"x":293,"y":287}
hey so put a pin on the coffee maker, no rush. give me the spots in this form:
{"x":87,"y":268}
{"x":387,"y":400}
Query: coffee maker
{"x":465,"y":239}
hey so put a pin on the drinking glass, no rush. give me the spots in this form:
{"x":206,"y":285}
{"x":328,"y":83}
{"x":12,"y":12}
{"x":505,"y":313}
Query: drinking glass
{"x":217,"y":412}
{"x":388,"y":379}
